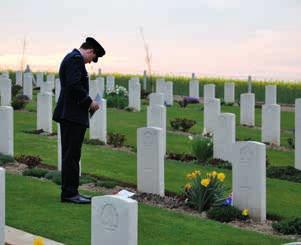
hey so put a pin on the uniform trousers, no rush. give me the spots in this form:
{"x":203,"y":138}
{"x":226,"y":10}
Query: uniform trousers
{"x":72,"y":136}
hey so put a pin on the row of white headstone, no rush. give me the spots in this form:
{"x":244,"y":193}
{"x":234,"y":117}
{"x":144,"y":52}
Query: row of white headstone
{"x":270,"y":112}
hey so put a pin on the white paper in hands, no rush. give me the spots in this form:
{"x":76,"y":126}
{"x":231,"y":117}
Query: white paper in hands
{"x":98,"y":100}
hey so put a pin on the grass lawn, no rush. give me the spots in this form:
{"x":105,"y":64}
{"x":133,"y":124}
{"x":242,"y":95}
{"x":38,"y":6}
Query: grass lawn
{"x":33,"y":205}
{"x":103,"y":161}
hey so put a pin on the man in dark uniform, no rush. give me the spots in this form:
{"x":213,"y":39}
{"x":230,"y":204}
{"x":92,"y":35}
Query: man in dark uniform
{"x":72,"y":112}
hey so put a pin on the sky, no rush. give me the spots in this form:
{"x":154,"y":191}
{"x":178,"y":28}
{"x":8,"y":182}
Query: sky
{"x":228,"y":38}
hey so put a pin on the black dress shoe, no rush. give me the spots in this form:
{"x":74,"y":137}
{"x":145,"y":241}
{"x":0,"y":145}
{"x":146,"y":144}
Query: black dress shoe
{"x":87,"y":197}
{"x":78,"y":199}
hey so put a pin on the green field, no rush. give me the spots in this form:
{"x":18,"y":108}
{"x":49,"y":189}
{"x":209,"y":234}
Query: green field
{"x":156,"y":226}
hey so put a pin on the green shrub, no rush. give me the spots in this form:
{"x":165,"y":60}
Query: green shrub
{"x":106,"y":183}
{"x":5,"y":159}
{"x":219,"y":163}
{"x":18,"y":104}
{"x":116,"y":139}
{"x":182,"y":124}
{"x":286,"y":173}
{"x":30,"y":161}
{"x":15,"y":90}
{"x":115,"y":101}
{"x":33,"y":131}
{"x":117,"y":98}
{"x":226,"y":214}
{"x":202,"y":148}
{"x":144,"y":94}
{"x":93,"y":142}
{"x":85,"y":179}
{"x":205,"y":192}
{"x":54,"y":176}
{"x":288,"y":227}
{"x":35,"y":172}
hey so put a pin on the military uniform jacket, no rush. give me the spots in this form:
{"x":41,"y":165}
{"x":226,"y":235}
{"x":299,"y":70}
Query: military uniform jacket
{"x":74,"y":101}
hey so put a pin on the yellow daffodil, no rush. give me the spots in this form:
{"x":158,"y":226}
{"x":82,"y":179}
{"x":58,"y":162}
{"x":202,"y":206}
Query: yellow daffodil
{"x":245,"y":212}
{"x":187,"y":186}
{"x":221,"y":176}
{"x":197,"y":172}
{"x":38,"y":241}
{"x":188,"y":176}
{"x":193,"y":175}
{"x":214,"y":173}
{"x":205,"y":182}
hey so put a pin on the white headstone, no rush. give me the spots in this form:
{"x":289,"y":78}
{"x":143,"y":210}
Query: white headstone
{"x":169,"y":93}
{"x":134,"y":94}
{"x":59,"y":148}
{"x":270,"y":131}
{"x":98,"y":123}
{"x":5,"y":74}
{"x":298,"y":134}
{"x":2,"y":206}
{"x":150,"y":160}
{"x":5,"y":91}
{"x":209,"y":91}
{"x":44,"y":112}
{"x":224,"y":137}
{"x":160,"y":86}
{"x":194,"y":89}
{"x":100,"y":86}
{"x":229,"y":94}
{"x":46,"y":87}
{"x":40,"y":78}
{"x":156,"y":99}
{"x":110,"y":83}
{"x":247,"y":109}
{"x":19,"y":78}
{"x":27,"y":84}
{"x":156,"y":117}
{"x":7,"y":130}
{"x":51,"y":79}
{"x":270,"y":94}
{"x":249,"y":178}
{"x":212,"y":109}
{"x":57,"y":89}
{"x":114,"y":221}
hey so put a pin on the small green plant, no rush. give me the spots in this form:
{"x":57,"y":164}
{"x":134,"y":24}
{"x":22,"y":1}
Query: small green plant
{"x":5,"y":159}
{"x":30,"y":161}
{"x":130,"y":109}
{"x":285,"y":172}
{"x":117,"y":98}
{"x":54,"y":176}
{"x":182,"y":124}
{"x":106,"y":183}
{"x":18,"y":104}
{"x":15,"y":90}
{"x":34,"y":131}
{"x":219,"y":163}
{"x":35,"y":172}
{"x":204,"y":192}
{"x":85,"y":179}
{"x":288,"y":227}
{"x":227,"y":214}
{"x":93,"y":142}
{"x":202,"y":148}
{"x":116,"y":139}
